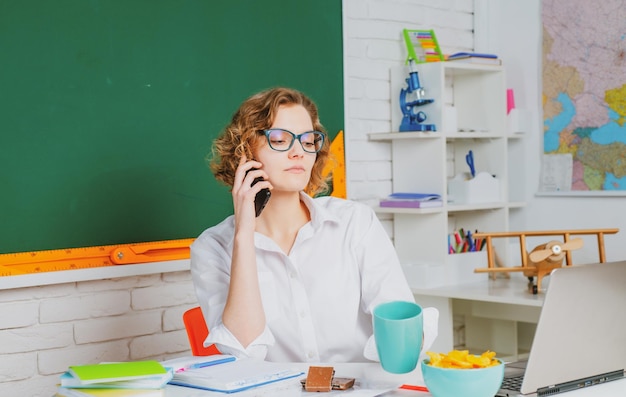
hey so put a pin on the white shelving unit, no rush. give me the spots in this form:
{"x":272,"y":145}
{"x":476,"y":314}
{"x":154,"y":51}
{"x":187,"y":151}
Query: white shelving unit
{"x":426,"y":161}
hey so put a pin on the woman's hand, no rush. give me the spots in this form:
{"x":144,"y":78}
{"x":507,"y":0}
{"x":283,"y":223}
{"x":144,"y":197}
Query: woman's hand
{"x":244,"y":193}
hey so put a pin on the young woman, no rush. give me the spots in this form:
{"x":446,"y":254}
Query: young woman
{"x":298,"y":282}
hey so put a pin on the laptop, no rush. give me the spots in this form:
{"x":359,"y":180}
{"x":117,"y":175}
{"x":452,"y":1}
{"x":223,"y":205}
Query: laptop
{"x":580,"y":339}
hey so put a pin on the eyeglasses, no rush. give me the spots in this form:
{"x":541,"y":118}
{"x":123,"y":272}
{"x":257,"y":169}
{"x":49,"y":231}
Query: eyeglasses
{"x":282,"y":140}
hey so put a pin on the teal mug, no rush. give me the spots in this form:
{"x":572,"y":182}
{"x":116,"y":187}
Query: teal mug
{"x":398,"y":333}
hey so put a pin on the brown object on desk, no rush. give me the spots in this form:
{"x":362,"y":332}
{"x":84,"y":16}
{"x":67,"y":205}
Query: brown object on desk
{"x":342,"y":383}
{"x":337,"y":383}
{"x":319,"y":379}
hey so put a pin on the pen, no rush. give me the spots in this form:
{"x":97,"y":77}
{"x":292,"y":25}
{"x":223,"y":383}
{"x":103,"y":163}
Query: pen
{"x":210,"y":363}
{"x":477,"y":242}
{"x":470,"y":242}
{"x":469,"y":159}
{"x":414,"y":387}
{"x":207,"y":364}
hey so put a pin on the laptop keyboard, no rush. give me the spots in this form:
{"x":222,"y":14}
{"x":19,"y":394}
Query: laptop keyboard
{"x":513,"y":383}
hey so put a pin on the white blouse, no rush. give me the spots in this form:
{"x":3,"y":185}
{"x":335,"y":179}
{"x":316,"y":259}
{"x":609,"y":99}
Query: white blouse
{"x":318,"y":299}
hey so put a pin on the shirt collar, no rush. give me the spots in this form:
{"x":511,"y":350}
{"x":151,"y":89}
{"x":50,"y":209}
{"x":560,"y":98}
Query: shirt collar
{"x":319,"y":212}
{"x":319,"y":215}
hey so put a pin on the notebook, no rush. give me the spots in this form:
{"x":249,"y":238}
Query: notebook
{"x":580,"y":339}
{"x":230,"y":376}
{"x":111,"y":372}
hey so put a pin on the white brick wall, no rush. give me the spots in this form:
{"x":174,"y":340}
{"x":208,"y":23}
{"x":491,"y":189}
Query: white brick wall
{"x":45,"y":329}
{"x":374,"y":44}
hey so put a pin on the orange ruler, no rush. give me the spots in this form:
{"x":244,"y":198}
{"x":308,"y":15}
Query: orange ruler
{"x":336,"y":166}
{"x":88,"y":257}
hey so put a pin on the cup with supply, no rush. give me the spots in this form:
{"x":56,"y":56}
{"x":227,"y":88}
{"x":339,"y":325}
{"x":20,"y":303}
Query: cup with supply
{"x":398,"y":333}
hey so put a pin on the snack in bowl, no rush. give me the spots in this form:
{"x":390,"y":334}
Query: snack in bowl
{"x":459,"y":373}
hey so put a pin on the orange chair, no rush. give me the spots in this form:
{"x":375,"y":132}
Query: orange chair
{"x":197,"y":332}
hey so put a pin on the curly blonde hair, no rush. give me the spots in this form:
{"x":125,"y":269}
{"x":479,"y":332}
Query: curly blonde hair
{"x":242,"y":135}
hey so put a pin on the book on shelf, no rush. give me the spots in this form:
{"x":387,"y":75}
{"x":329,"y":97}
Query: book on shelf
{"x":233,"y":375}
{"x":411,"y":200}
{"x":115,"y":372}
{"x":475,"y":57}
{"x":398,"y":203}
{"x":414,"y":196}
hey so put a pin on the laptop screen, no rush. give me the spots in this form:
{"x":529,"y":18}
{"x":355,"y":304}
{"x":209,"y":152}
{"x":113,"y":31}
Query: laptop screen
{"x":581,"y":329}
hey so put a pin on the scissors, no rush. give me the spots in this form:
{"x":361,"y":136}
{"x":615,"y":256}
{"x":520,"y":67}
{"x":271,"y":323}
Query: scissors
{"x":469,"y":159}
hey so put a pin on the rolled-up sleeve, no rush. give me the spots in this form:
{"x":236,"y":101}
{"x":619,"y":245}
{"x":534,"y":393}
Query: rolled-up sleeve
{"x":210,"y":270}
{"x":226,"y":343}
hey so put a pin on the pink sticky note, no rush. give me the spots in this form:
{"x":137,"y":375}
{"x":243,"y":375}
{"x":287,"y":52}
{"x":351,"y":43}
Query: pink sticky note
{"x":510,"y":100}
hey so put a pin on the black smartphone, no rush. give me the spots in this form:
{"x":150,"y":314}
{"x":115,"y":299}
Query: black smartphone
{"x":262,"y":197}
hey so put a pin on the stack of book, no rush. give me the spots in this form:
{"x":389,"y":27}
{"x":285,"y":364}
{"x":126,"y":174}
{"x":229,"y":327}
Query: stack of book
{"x":475,"y":57}
{"x":411,"y":200}
{"x":217,"y":374}
{"x":134,"y":378}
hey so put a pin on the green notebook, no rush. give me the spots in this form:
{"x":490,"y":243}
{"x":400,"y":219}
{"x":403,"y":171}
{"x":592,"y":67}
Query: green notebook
{"x":111,"y":372}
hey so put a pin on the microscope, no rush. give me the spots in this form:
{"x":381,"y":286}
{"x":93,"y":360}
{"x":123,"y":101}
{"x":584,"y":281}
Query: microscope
{"x":411,"y":98}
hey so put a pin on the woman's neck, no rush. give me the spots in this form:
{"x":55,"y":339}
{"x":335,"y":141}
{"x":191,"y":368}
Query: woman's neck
{"x":283,"y":217}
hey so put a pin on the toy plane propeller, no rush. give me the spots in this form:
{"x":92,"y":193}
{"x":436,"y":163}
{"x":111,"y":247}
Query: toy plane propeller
{"x":554,"y":251}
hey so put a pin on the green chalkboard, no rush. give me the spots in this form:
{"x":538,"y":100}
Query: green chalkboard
{"x":109,"y":107}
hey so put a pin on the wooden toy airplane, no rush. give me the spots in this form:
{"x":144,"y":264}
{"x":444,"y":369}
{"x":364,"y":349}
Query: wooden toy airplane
{"x":543,"y":258}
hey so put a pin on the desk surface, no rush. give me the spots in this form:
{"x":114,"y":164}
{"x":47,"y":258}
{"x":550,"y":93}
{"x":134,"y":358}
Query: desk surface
{"x":372,"y":380}
{"x":511,"y":291}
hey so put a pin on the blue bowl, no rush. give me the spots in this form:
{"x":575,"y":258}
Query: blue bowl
{"x":452,"y":382}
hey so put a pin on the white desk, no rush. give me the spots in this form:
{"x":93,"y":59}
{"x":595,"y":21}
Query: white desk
{"x":500,"y":315}
{"x":372,"y":380}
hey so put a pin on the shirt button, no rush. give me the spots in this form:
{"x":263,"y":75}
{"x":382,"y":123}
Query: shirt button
{"x":292,"y":274}
{"x":303,"y":314}
{"x":310,"y":355}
